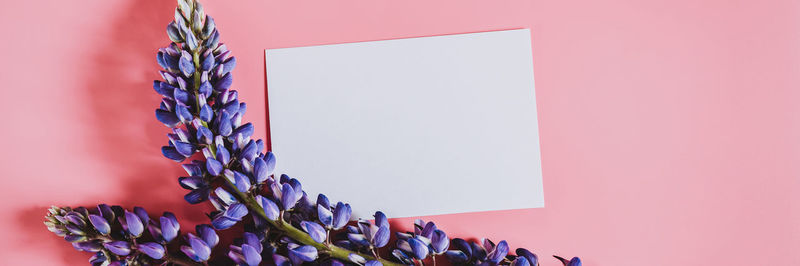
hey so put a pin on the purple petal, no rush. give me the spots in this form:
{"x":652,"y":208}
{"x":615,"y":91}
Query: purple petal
{"x":100,"y":224}
{"x":225,"y":196}
{"x":173,"y":33}
{"x":207,"y":234}
{"x":208,"y":61}
{"x":439,"y":241}
{"x":224,"y":126}
{"x":182,"y":112}
{"x":246,"y":130}
{"x":252,"y":240}
{"x":169,"y":226}
{"x":154,"y":250}
{"x":185,"y":64}
{"x":288,"y":197}
{"x":478,"y":251}
{"x":236,"y":211}
{"x":532,"y":258}
{"x":520,"y":261}
{"x":120,"y":248}
{"x":304,"y":253}
{"x":341,"y":215}
{"x":500,"y":251}
{"x":250,"y":151}
{"x":200,"y":249}
{"x":224,"y":82}
{"x":314,"y":230}
{"x":193,"y":169}
{"x":232,"y":108}
{"x":192,"y":182}
{"x":206,"y":89}
{"x":172,"y":154}
{"x":196,"y":196}
{"x":280,"y":260}
{"x":381,"y":220}
{"x":323,"y":200}
{"x":381,"y":237}
{"x":214,"y":167}
{"x":418,"y":248}
{"x":221,"y":222}
{"x":204,"y":135}
{"x":229,"y":65}
{"x":427,"y":232}
{"x":167,"y":118}
{"x":358,"y":239}
{"x":456,"y":256}
{"x":242,"y":182}
{"x":271,"y":209}
{"x":135,"y":226}
{"x":251,"y":256}
{"x":325,"y":215}
{"x":261,"y":172}
{"x":356,"y":258}
{"x":142,"y":213}
{"x":223,"y":155}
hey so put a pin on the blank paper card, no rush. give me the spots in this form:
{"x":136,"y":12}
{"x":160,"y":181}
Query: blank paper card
{"x":411,"y":127}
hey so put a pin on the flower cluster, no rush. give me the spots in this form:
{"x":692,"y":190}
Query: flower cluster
{"x":226,"y":167}
{"x":117,"y":236}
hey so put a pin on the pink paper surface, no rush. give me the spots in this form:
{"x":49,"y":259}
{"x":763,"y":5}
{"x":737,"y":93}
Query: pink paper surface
{"x":670,"y":130}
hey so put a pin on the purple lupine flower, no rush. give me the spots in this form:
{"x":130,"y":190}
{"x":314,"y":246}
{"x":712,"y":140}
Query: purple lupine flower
{"x":151,"y":249}
{"x":462,"y":252}
{"x":249,"y":252}
{"x":439,"y":242}
{"x":230,"y":216}
{"x":533,"y":260}
{"x":497,"y":252}
{"x":520,"y":261}
{"x":169,"y":226}
{"x":121,"y":248}
{"x":316,"y":231}
{"x":281,"y":260}
{"x":97,"y":259}
{"x":419,"y":249}
{"x":355,"y":258}
{"x":575,"y":261}
{"x":207,"y":234}
{"x":341,"y":215}
{"x":199,"y":248}
{"x":133,"y":224}
{"x":299,"y":254}
{"x":372,"y":235}
{"x":100,"y":224}
{"x":271,"y":209}
{"x":288,"y":196}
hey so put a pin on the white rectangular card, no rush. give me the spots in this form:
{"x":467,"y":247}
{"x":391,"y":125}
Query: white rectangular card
{"x":411,"y":127}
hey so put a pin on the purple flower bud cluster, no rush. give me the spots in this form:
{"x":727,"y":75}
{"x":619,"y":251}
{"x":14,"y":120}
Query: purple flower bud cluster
{"x":233,"y":172}
{"x":117,"y":236}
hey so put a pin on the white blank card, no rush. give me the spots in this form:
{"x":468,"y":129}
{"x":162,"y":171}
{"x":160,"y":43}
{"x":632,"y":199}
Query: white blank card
{"x":411,"y":127}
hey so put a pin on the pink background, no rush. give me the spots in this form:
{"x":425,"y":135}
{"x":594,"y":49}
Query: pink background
{"x":670,"y":130}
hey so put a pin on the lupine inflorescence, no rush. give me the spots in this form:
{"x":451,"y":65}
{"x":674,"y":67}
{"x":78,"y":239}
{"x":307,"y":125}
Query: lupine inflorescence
{"x":283,"y":224}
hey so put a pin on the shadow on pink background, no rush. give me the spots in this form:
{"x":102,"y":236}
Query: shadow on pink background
{"x":670,"y":130}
